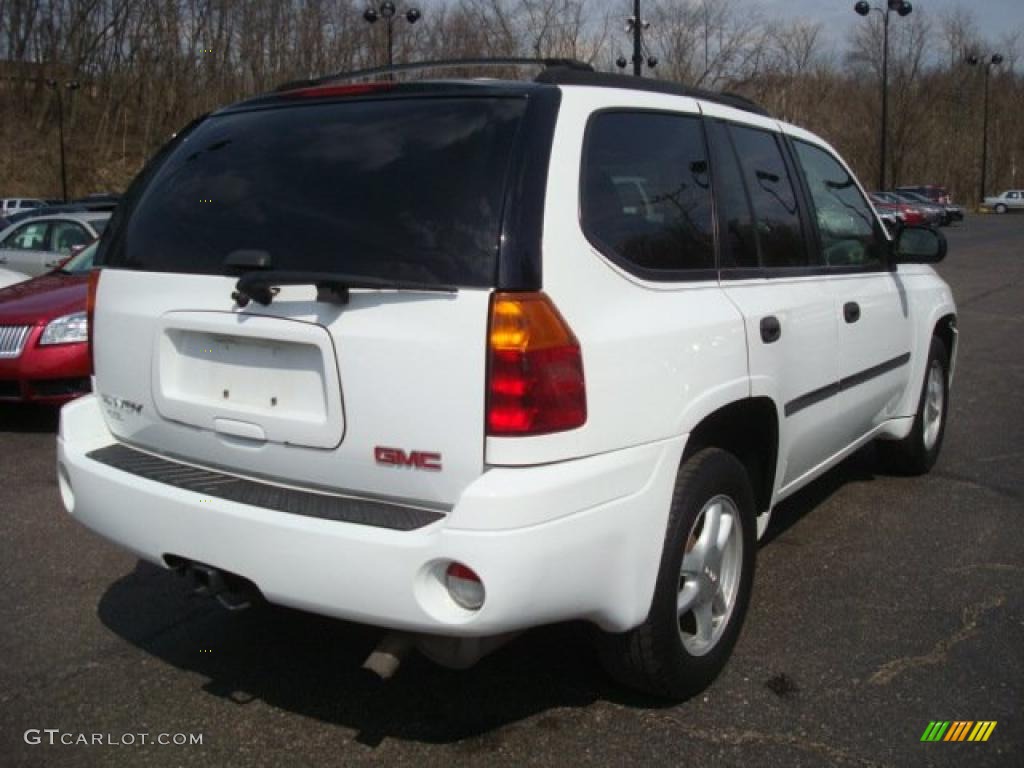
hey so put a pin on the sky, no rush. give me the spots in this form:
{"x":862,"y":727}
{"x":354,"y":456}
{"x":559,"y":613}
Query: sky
{"x":994,"y":17}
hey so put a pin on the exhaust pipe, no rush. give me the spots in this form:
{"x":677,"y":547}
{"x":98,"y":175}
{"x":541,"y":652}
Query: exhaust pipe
{"x":387,"y":657}
{"x":213,"y":583}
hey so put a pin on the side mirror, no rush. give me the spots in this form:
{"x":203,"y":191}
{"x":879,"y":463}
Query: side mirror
{"x":76,"y":249}
{"x":919,"y":245}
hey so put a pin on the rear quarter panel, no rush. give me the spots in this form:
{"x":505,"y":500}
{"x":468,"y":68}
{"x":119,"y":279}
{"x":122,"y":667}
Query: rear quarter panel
{"x":657,"y":357}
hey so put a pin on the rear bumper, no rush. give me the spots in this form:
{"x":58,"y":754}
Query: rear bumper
{"x":50,"y":375}
{"x":579,"y":539}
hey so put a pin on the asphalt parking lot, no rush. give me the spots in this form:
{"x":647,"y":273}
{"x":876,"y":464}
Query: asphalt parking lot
{"x":881,"y":604}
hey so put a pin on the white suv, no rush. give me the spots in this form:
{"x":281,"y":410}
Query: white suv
{"x":460,"y":358}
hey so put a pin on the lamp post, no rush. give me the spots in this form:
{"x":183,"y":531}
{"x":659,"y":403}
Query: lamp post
{"x":903,"y":8}
{"x":636,"y":27}
{"x":71,"y":85}
{"x":387,"y":11}
{"x":987,"y":62}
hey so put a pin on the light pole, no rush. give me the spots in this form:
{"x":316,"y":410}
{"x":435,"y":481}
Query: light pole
{"x":636,"y":27}
{"x":903,"y":8}
{"x":387,"y":12}
{"x":71,"y":85}
{"x":987,"y":62}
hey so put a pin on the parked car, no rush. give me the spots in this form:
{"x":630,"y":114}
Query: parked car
{"x":1010,"y":200}
{"x":48,"y":210}
{"x":7,"y":277}
{"x":935,"y":214}
{"x":9,"y":205}
{"x":930,"y":216}
{"x":39,"y":244}
{"x":44,"y":352}
{"x":950,"y":211}
{"x":460,"y":387}
{"x":934,"y":192}
{"x":905,"y":212}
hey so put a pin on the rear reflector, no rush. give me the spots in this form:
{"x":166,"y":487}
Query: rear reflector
{"x":535,"y":381}
{"x":464,"y":586}
{"x":90,"y":313}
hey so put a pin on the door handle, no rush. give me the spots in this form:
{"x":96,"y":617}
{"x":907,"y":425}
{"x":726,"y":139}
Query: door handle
{"x":771,"y":329}
{"x":851,"y":311}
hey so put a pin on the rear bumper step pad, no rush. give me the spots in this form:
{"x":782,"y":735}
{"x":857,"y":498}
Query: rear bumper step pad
{"x":266,"y":495}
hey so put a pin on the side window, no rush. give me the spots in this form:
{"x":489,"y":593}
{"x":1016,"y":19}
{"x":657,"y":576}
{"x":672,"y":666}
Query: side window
{"x":646,"y":191}
{"x":737,"y":234}
{"x":28,"y":237}
{"x":771,"y":193}
{"x":846,"y":224}
{"x":66,"y":235}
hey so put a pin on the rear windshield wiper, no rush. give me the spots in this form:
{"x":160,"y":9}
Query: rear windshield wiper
{"x":261,"y":285}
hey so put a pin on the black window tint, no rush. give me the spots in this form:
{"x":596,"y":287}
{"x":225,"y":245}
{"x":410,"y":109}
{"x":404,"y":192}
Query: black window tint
{"x":736,"y":225}
{"x":846,"y":224}
{"x":408,"y":189}
{"x":646,"y":193}
{"x":773,"y":197}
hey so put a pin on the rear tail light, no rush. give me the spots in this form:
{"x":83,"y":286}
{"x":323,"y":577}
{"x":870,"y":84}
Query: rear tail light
{"x":464,"y":586}
{"x":535,"y":379}
{"x":90,"y":314}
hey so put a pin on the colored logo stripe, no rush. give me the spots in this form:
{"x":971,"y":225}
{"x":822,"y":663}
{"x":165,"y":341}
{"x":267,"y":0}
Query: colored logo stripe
{"x":982,"y":730}
{"x":958,"y":730}
{"x":935,"y":730}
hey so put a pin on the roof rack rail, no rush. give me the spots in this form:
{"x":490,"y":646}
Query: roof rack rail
{"x":569,"y":64}
{"x":566,"y":76}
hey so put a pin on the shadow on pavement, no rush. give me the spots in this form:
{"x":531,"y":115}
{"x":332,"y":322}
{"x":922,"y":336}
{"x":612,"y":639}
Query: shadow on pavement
{"x":17,"y":417}
{"x":310,"y":665}
{"x":860,"y":467}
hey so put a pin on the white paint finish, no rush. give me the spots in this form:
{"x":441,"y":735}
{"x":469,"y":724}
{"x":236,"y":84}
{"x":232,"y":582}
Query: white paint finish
{"x":657,"y":356}
{"x":598,"y":563}
{"x":410,"y":366}
{"x":804,"y":359}
{"x":882,"y":333}
{"x":277,"y":377}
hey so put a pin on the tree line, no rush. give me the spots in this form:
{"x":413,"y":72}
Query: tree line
{"x":147,"y":67}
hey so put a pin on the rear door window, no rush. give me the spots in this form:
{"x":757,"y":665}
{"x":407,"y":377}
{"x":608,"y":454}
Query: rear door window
{"x":773,"y":197}
{"x":646,"y":194}
{"x":402,"y":188}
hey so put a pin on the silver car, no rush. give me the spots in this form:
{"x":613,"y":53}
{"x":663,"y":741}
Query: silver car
{"x":1010,"y":200}
{"x":40,"y":244}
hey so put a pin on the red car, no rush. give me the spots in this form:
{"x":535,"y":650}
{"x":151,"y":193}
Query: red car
{"x":44,"y":347}
{"x":906,"y":213}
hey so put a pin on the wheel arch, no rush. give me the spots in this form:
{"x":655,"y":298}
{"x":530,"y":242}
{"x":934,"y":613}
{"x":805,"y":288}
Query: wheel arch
{"x":749,"y":429}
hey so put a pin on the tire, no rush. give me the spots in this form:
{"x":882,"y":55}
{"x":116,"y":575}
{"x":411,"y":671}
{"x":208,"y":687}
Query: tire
{"x":917,"y":453}
{"x":666,"y":655}
{"x":1000,"y":208}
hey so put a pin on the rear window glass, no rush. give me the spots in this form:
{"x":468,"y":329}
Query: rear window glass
{"x":404,"y":189}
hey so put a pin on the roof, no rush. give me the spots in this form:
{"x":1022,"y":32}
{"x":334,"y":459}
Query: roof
{"x":554,"y":72}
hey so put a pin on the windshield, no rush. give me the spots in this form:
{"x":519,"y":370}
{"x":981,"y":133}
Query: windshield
{"x":402,"y":189}
{"x":81,"y":263}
